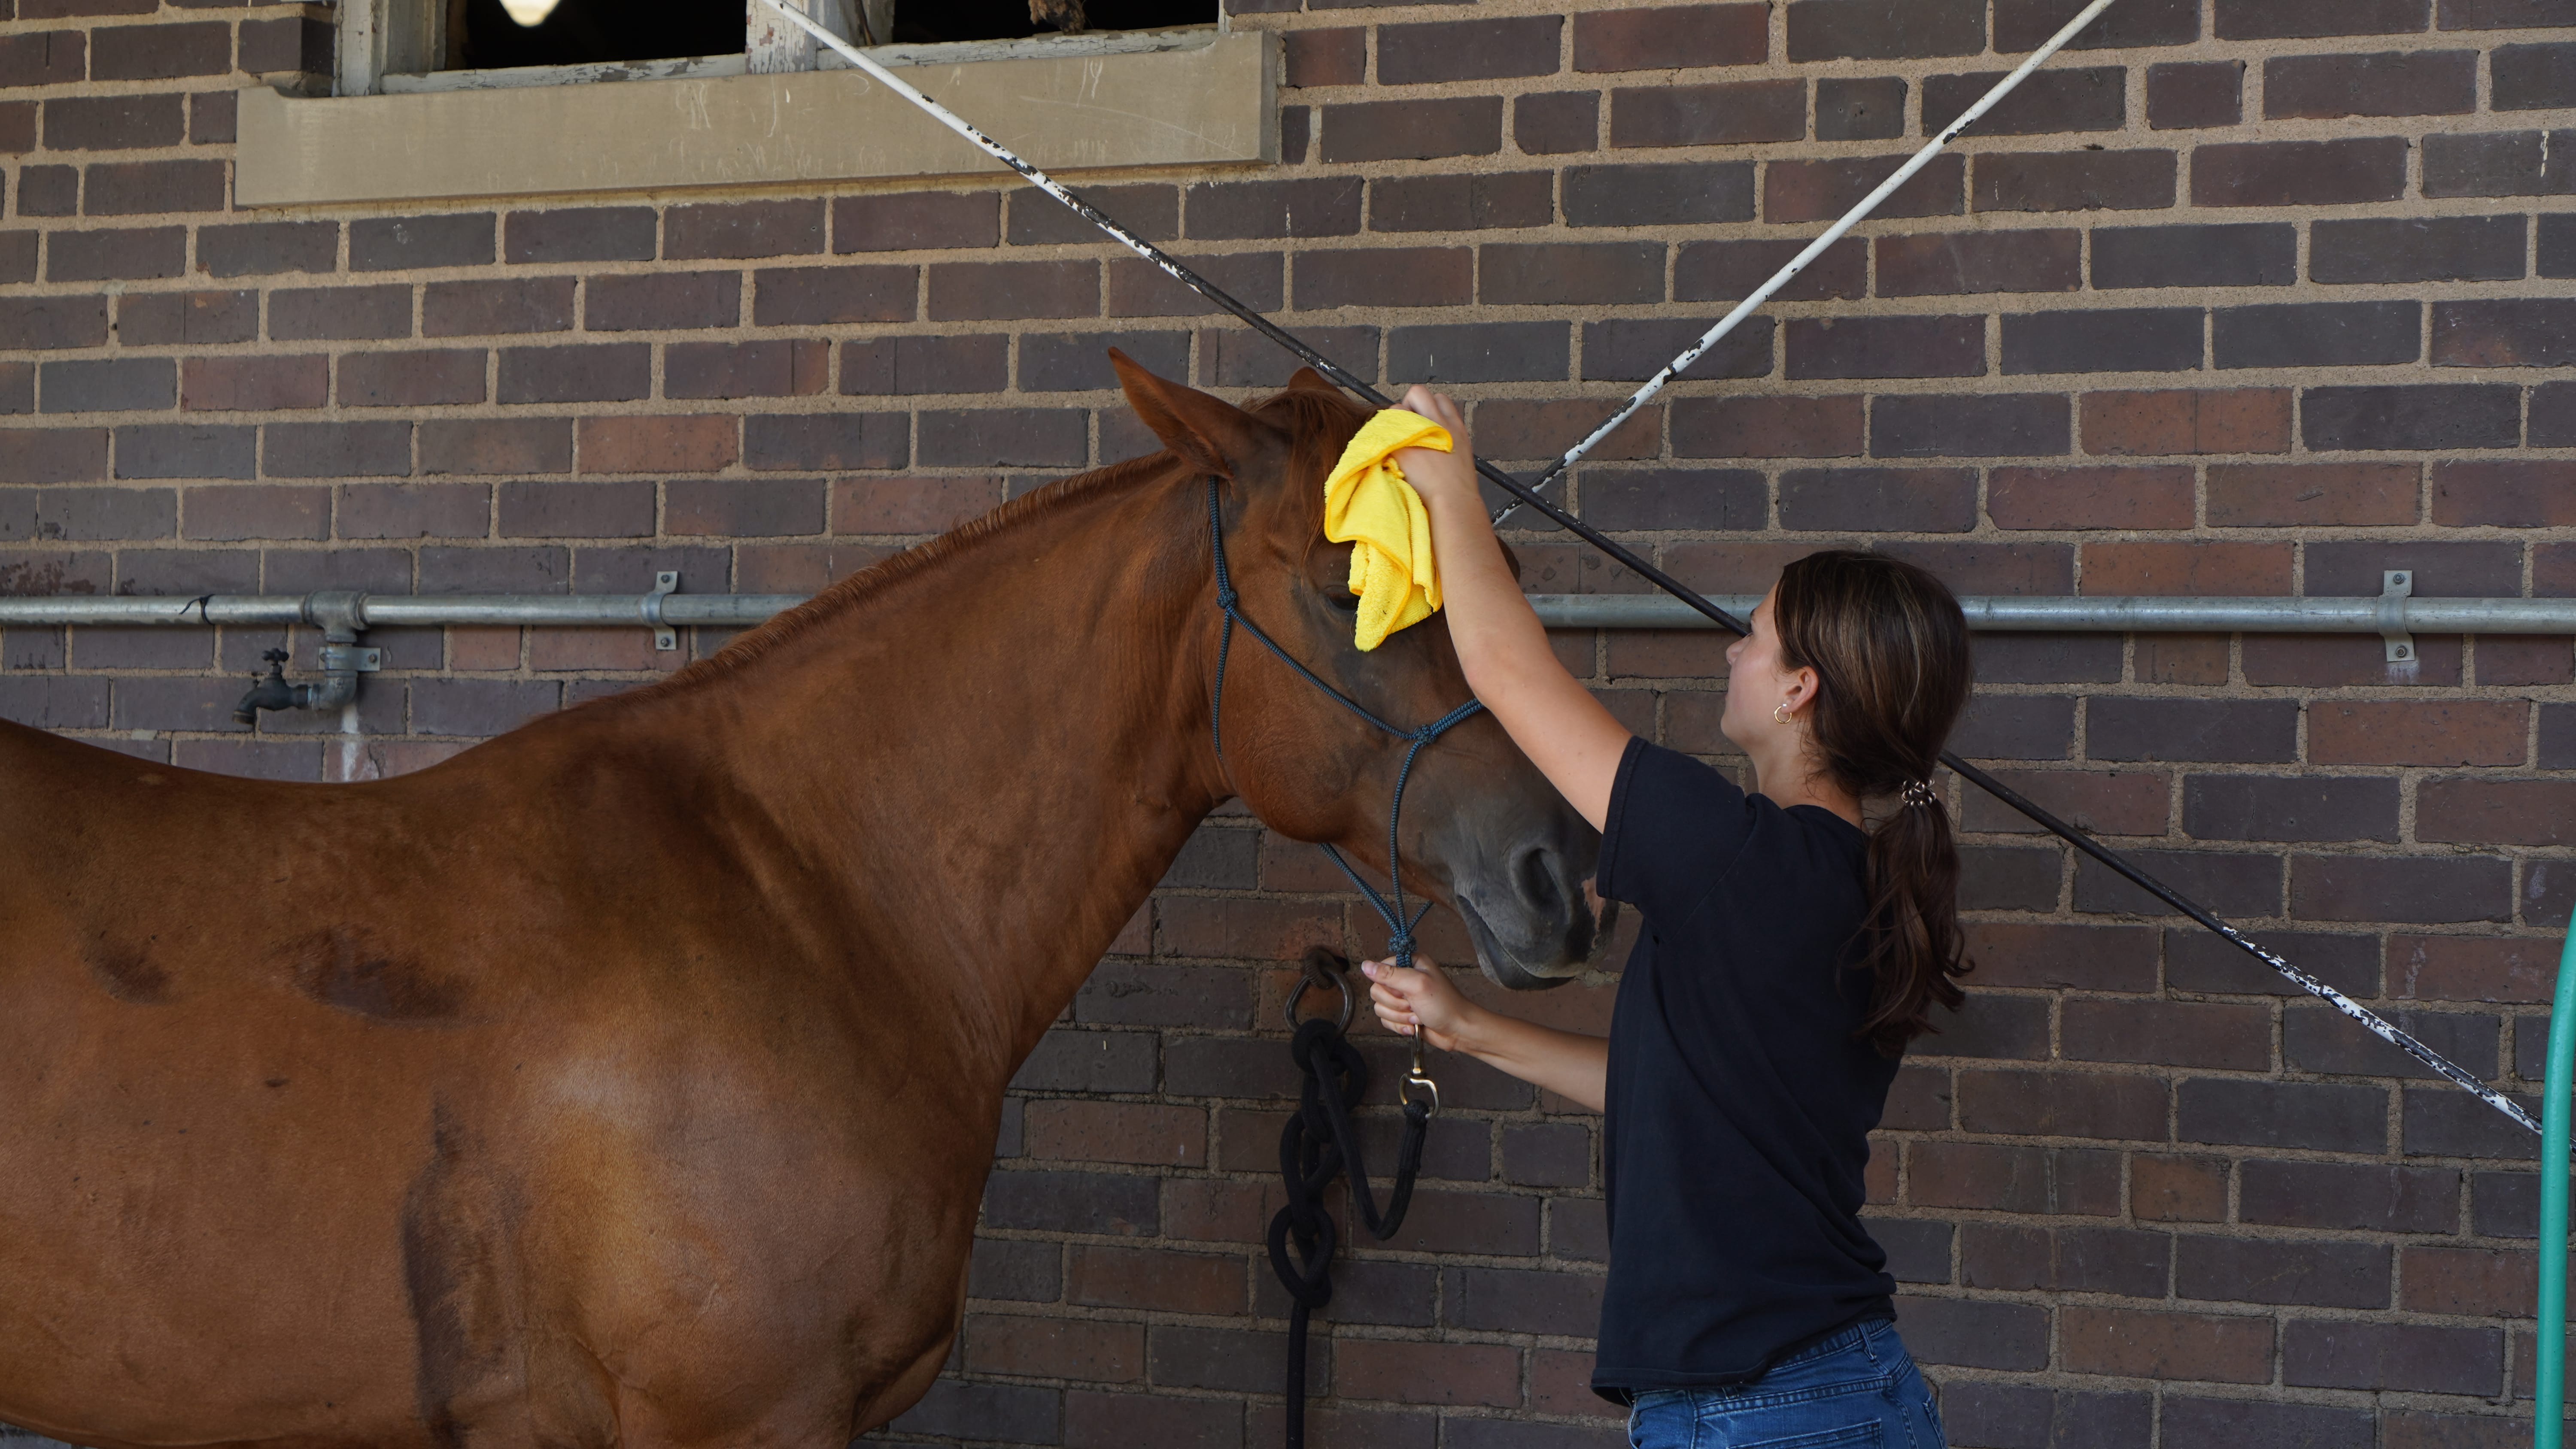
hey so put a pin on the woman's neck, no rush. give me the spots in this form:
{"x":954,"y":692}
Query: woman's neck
{"x":1788,"y":775}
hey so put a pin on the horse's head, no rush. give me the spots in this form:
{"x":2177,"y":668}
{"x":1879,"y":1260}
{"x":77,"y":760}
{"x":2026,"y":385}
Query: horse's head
{"x":1482,"y":831}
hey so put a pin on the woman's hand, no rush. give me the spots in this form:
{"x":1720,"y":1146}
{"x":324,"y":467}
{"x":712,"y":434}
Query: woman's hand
{"x":1440,"y":477}
{"x":1420,"y":999}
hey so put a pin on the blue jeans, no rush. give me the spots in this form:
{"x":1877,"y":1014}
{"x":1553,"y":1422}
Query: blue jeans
{"x":1856,"y":1390}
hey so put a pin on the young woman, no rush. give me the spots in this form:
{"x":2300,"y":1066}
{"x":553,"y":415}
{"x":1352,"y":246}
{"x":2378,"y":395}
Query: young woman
{"x":1789,"y":953}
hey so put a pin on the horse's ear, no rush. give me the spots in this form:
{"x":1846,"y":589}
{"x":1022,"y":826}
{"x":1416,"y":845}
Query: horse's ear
{"x":1211,"y":434}
{"x":1308,"y":379}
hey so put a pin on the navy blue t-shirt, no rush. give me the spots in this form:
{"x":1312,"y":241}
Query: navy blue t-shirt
{"x":1740,"y":1105}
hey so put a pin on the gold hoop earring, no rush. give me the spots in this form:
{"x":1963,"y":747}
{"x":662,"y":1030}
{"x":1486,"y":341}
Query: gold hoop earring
{"x":1780,"y":713}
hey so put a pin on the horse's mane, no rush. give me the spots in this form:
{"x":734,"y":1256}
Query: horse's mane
{"x":1319,"y":421}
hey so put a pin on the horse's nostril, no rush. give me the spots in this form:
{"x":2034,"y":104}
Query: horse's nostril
{"x":1540,"y":880}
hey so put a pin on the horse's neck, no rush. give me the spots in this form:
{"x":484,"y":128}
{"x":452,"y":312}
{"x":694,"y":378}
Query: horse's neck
{"x":998,"y":754}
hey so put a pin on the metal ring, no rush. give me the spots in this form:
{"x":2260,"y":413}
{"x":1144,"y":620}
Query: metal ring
{"x":1404,"y":1093}
{"x":1320,"y":968}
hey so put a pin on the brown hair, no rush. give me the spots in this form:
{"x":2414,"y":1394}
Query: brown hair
{"x":1890,"y":651}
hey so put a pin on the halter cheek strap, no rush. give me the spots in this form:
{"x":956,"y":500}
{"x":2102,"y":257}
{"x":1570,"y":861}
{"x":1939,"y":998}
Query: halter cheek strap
{"x":1390,"y":907}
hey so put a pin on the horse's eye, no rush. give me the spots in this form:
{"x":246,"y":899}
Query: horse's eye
{"x":1343,"y":600}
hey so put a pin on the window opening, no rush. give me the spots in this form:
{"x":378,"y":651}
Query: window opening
{"x":931,"y":22}
{"x":507,"y":34}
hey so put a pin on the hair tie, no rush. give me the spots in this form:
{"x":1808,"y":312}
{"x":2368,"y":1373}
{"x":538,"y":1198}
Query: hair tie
{"x":1919,"y":792}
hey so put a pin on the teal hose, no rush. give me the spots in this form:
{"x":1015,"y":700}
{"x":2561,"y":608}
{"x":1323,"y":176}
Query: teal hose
{"x":2549,"y":1374}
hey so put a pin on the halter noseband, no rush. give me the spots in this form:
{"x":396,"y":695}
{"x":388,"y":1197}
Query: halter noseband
{"x":1399,"y":925}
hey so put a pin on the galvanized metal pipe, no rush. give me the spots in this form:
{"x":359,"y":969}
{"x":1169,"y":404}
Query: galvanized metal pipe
{"x":1986,"y":613}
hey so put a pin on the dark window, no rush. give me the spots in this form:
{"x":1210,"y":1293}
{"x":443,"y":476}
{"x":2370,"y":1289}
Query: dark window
{"x":924,"y":21}
{"x":577,"y":32}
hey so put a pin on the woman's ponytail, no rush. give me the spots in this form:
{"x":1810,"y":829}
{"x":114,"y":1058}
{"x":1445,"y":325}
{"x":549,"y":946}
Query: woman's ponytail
{"x":1890,"y":650}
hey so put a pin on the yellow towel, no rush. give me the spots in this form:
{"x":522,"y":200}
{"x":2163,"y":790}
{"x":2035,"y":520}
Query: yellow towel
{"x":1368,"y":504}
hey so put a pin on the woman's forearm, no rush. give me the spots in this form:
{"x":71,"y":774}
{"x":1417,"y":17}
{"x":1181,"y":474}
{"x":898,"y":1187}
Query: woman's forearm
{"x":1567,"y":1063}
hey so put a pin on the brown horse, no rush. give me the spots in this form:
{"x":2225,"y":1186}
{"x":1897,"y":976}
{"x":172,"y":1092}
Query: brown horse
{"x":633,"y":1078}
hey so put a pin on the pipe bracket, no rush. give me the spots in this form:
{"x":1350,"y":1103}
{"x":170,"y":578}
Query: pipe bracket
{"x":2396,"y":586}
{"x":665,"y":584}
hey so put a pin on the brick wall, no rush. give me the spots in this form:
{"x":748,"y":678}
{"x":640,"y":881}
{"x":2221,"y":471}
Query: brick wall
{"x":2243,"y":296}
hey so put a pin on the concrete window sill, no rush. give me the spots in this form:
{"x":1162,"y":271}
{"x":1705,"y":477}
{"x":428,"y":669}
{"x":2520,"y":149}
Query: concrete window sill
{"x":1198,"y":105}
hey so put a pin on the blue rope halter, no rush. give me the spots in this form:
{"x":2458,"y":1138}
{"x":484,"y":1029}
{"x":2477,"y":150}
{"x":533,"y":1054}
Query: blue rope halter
{"x":1390,"y":907}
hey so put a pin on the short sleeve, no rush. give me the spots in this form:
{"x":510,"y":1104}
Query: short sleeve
{"x":1673,"y":827}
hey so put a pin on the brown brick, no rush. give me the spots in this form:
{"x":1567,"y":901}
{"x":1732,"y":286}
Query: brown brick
{"x":2103,"y":339}
{"x":1567,"y":272}
{"x":2073,"y":181}
{"x":544,"y":509}
{"x":520,"y":304}
{"x":593,"y":372}
{"x":2505,"y":494}
{"x":301,"y":313}
{"x":1887,"y":346}
{"x":43,"y":57}
{"x":2298,"y":173}
{"x":910,"y":505}
{"x":2309,"y":19}
{"x":267,"y":247}
{"x":426,"y":378}
{"x":1768,"y":427}
{"x":201,"y":319}
{"x":2186,"y":568}
{"x":805,"y":296}
{"x":2485,"y":1282}
{"x":2346,"y":1196}
{"x":1037,"y":219}
{"x":2427,"y":891}
{"x":742,"y":229}
{"x":581,"y":234}
{"x":496,"y":445}
{"x":291,"y":45}
{"x":979,"y":290}
{"x":2392,"y":1356}
{"x":1732,"y":113}
{"x":2499,"y":163}
{"x":1089,"y":1350}
{"x":1133,"y":1132}
{"x":2063,"y":1104}
{"x":386,"y":244}
{"x":2085,"y":498}
{"x":1659,"y":194}
{"x":2536,"y":332}
{"x":2288,"y":495}
{"x":52,"y":322}
{"x":2168,"y":1033}
{"x":2193,"y":94}
{"x":418,"y":510}
{"x":661,"y":300}
{"x":1507,"y":429}
{"x":2083,"y":1181}
{"x":1824,"y":190}
{"x":822,"y":442}
{"x":2533,"y":77}
{"x":1996,"y":426}
{"x":116,"y":253}
{"x":1412,"y":130}
{"x":769,"y":368}
{"x":2105,"y":802}
{"x":51,"y":455}
{"x":2243,"y":420}
{"x":1900,"y":500}
{"x":1728,"y":271}
{"x":1139,"y":289}
{"x":254,"y":384}
{"x":2493,"y":812}
{"x":113,"y":123}
{"x":2178,"y":1189}
{"x":1434,"y":1373}
{"x":2257,"y":1270}
{"x":118,"y":384}
{"x":2454,"y":732}
{"x":2075,"y":98}
{"x":1552,"y":123}
{"x":164,"y":51}
{"x":1389,"y":276}
{"x":185,"y":450}
{"x":684,"y":444}
{"x":1664,"y":38}
{"x":2143,"y":1343}
{"x":1455,"y":50}
{"x":336,"y":450}
{"x":144,"y":188}
{"x":17,"y":127}
{"x":2393,"y":83}
{"x":1949,"y":263}
{"x":2409,"y":249}
{"x":234,"y":513}
{"x":1335,"y":57}
{"x":916,"y":221}
{"x":1877,"y":30}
